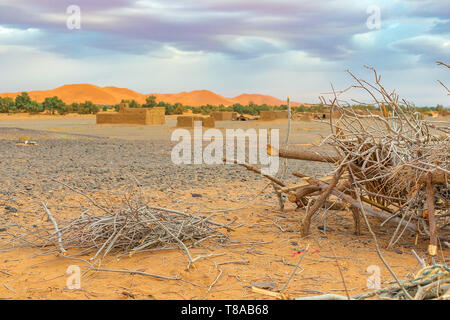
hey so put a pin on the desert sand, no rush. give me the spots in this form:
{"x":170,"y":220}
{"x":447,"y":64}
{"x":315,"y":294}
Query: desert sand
{"x":262,"y":251}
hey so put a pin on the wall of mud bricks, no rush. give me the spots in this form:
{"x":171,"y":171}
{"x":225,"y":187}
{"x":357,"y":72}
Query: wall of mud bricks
{"x":306,"y":117}
{"x":273,"y":115}
{"x":157,"y":116}
{"x":208,"y":122}
{"x":222,"y":116}
{"x":281,"y":114}
{"x":267,"y":115}
{"x":120,"y":118}
{"x":188,"y":121}
{"x":135,"y":116}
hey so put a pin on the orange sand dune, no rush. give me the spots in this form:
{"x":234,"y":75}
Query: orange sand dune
{"x":257,"y":99}
{"x":113,"y":95}
{"x":123,"y":93}
{"x":195,"y":98}
{"x":73,"y":93}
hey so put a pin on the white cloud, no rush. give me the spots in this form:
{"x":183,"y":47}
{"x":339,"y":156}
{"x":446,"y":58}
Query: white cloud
{"x":8,"y":35}
{"x":364,"y":40}
{"x":428,"y":47}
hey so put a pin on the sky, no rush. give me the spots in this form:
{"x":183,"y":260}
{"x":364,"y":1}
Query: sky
{"x":296,"y":48}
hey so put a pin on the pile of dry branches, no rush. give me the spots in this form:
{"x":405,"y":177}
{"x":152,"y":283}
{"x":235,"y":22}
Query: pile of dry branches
{"x":390,"y":163}
{"x":132,"y":227}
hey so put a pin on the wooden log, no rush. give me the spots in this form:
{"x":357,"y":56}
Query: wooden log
{"x":301,"y":155}
{"x":302,"y":192}
{"x":288,"y":189}
{"x":294,"y":188}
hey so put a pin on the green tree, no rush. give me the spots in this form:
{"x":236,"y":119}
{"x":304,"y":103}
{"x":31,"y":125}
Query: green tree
{"x":54,"y":104}
{"x":179,"y":108}
{"x":132,"y":104}
{"x":34,"y":107}
{"x":73,"y":108}
{"x":150,"y":102}
{"x":88,"y":107}
{"x":7,"y":105}
{"x":22,"y":101}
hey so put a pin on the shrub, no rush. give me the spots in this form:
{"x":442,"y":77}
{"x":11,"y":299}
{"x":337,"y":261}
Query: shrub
{"x":22,"y":101}
{"x":150,"y":102}
{"x":7,"y":105}
{"x":54,"y":104}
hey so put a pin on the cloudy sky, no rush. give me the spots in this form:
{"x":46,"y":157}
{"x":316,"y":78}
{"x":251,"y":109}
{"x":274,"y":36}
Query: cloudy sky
{"x":276,"y":47}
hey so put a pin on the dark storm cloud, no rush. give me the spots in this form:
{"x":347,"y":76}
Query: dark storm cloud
{"x":240,"y":29}
{"x":208,"y":26}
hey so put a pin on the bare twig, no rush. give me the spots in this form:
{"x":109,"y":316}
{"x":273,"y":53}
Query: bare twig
{"x":55,"y":224}
{"x":295,"y":269}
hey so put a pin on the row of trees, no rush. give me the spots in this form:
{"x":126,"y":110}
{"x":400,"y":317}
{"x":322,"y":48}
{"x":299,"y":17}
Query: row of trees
{"x":424,"y":110}
{"x":251,"y":108}
{"x":178,"y":108}
{"x":150,"y":102}
{"x":52,"y":105}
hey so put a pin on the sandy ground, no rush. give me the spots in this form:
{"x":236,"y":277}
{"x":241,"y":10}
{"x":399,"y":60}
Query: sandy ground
{"x":102,"y":160}
{"x":301,"y":132}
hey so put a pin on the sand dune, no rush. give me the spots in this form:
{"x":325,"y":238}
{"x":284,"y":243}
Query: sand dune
{"x":123,"y":93}
{"x":73,"y":93}
{"x":113,"y":95}
{"x":195,"y":98}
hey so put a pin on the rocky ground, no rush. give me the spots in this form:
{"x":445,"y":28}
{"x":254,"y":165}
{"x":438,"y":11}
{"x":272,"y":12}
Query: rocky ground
{"x":100,"y":164}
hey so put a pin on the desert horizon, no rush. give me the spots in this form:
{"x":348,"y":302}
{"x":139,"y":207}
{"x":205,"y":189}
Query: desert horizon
{"x":111,"y":95}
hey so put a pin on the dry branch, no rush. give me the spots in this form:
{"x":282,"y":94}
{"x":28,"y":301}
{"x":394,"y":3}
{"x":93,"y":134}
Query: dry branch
{"x":319,"y":203}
